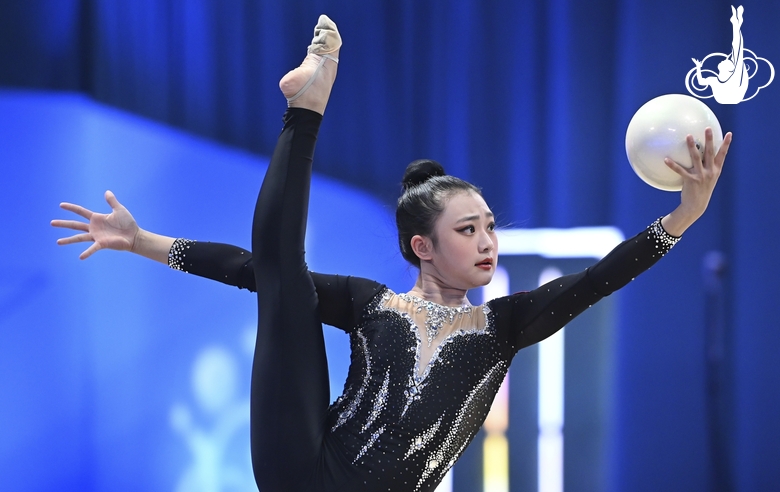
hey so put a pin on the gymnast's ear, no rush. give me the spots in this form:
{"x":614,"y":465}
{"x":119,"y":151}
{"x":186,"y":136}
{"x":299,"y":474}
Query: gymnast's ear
{"x":422,"y":247}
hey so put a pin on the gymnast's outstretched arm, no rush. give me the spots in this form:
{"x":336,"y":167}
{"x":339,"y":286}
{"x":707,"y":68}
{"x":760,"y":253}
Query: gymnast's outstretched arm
{"x":343,"y":296}
{"x":530,"y":317}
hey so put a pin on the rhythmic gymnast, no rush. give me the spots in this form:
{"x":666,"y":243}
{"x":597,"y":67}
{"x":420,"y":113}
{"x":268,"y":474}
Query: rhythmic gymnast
{"x":731,"y":84}
{"x":425,"y":364}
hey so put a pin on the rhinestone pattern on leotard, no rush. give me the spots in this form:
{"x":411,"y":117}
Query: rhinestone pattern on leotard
{"x":436,"y":315}
{"x":355,"y":401}
{"x":394,"y":418}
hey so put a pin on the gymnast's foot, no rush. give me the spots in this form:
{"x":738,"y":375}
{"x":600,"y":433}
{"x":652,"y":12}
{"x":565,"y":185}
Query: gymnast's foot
{"x":309,"y":85}
{"x":736,"y":16}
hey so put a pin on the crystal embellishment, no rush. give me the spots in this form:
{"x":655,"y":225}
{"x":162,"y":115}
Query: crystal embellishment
{"x":371,"y":441}
{"x":663,"y":240}
{"x":419,"y":442}
{"x":450,"y":449}
{"x":353,"y":405}
{"x":379,"y":402}
{"x":178,"y":252}
{"x":436,"y":314}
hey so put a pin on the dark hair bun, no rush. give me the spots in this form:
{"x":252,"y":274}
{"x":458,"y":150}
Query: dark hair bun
{"x":420,"y":171}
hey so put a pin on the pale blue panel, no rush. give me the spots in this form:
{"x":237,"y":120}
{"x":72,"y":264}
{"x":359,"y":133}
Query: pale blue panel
{"x":118,"y":373}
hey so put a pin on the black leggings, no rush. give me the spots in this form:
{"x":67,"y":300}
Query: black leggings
{"x":290,"y":391}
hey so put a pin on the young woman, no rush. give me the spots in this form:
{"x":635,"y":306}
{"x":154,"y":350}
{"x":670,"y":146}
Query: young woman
{"x":425,"y":364}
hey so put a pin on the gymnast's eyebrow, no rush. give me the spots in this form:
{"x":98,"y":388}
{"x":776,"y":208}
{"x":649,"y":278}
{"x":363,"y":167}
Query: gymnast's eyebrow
{"x":473,"y":217}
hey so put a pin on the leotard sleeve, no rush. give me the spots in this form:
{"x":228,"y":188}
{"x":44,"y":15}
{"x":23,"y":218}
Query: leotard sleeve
{"x":341,"y":298}
{"x":527,"y":318}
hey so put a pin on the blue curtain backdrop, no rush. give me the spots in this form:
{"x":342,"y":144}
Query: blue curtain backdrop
{"x":529,"y":100}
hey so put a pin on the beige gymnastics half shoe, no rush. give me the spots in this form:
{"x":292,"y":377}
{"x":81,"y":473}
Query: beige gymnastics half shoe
{"x":326,"y":40}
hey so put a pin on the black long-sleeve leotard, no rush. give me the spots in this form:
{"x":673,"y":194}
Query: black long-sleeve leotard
{"x":401,"y":422}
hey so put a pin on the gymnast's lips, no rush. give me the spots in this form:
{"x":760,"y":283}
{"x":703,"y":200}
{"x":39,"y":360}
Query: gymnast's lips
{"x":485,"y":264}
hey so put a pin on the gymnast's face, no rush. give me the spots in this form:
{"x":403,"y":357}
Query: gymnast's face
{"x":465,"y":250}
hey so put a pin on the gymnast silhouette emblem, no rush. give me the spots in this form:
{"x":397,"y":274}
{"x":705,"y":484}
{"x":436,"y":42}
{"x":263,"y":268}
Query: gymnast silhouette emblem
{"x":217,"y":446}
{"x":730,"y":84}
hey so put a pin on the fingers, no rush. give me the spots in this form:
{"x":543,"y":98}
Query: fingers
{"x":88,"y":252}
{"x":71,"y":224}
{"x":77,"y":209}
{"x":676,"y":167}
{"x":720,"y":158}
{"x":78,"y":238}
{"x":709,"y":148}
{"x":698,"y":161}
{"x":696,"y":164}
{"x":112,"y":201}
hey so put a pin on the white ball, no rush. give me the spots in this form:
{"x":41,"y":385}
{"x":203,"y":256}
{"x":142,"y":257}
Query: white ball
{"x":658,"y":130}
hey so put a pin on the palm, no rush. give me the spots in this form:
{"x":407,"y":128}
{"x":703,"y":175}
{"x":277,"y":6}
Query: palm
{"x":116,"y":230}
{"x":113,"y":231}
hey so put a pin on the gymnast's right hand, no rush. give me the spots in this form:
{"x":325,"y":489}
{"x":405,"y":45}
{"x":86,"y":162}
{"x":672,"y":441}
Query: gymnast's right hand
{"x":117,"y":230}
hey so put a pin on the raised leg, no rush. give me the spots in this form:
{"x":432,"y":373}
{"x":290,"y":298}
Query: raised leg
{"x":290,"y":392}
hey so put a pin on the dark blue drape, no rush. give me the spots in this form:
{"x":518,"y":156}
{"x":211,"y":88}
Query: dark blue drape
{"x":527,"y":99}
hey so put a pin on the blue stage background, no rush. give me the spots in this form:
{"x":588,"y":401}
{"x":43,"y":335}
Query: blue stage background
{"x":529,"y":100}
{"x":119,"y":373}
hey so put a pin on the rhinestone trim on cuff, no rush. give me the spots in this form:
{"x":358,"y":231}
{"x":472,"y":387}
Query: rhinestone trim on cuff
{"x":178,"y":252}
{"x":663,"y":240}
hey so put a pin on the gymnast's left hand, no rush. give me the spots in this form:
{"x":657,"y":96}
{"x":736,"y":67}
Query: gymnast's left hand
{"x":117,"y":230}
{"x":698,"y":182}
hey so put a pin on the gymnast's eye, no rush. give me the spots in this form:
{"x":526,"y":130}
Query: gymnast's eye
{"x":492,"y":226}
{"x":470,"y":229}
